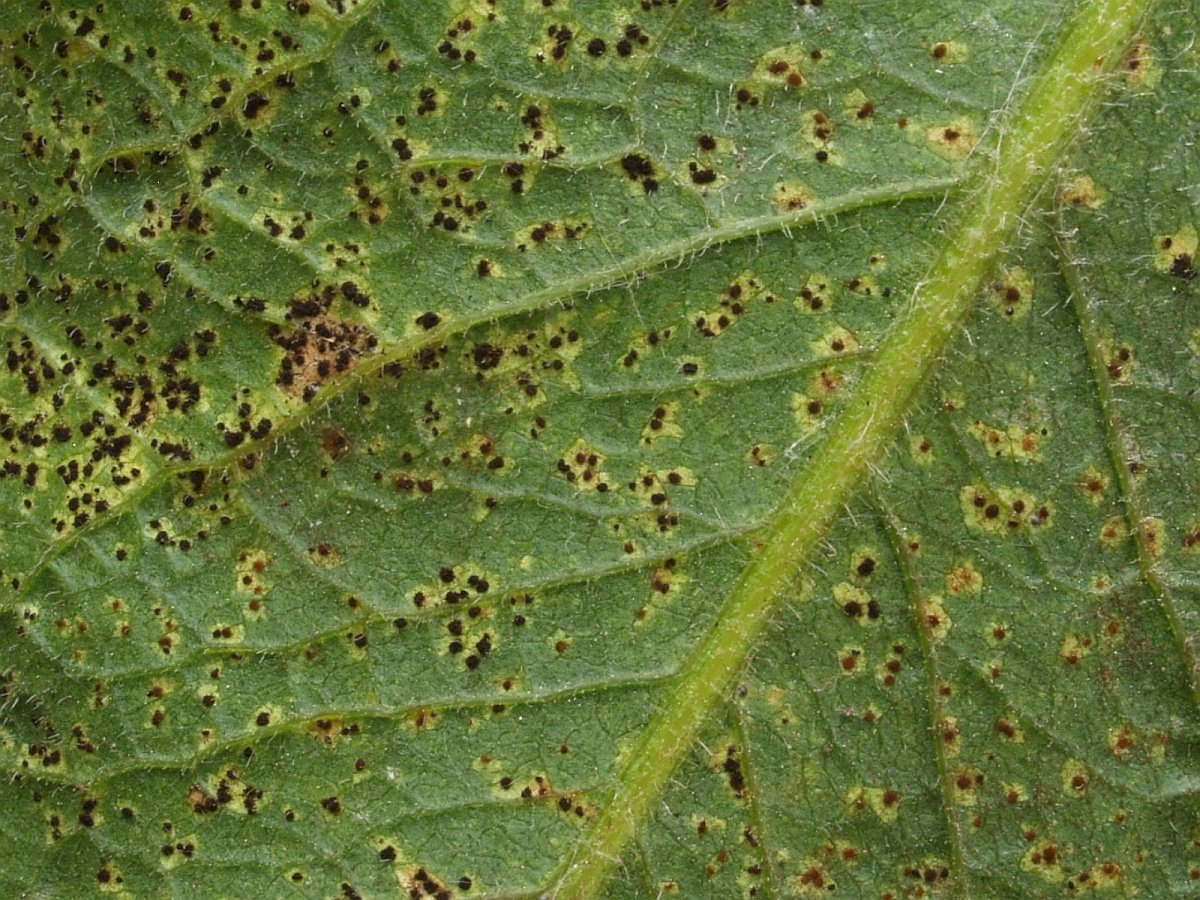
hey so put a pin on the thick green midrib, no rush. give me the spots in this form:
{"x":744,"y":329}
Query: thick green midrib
{"x":1038,"y":132}
{"x":591,"y":282}
{"x":1135,"y":516}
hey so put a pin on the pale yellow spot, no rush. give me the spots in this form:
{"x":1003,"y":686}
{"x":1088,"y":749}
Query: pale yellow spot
{"x":964,"y":578}
{"x":1173,"y":252}
{"x":783,"y":66}
{"x":549,"y":231}
{"x":1113,"y":531}
{"x":1094,"y":484}
{"x":837,"y":342}
{"x":1003,"y":511}
{"x":864,"y":285}
{"x":934,"y":618}
{"x":1012,"y":293}
{"x":853,"y":601}
{"x":1118,"y":360}
{"x":964,"y":784}
{"x":1074,"y":779}
{"x":816,"y":296}
{"x":1154,"y":531}
{"x":808,"y":410}
{"x":1044,"y":859}
{"x":584,"y":467}
{"x":791,"y":198}
{"x":1122,"y":742}
{"x":921,"y":449}
{"x":884,"y":803}
{"x":813,"y":879}
{"x":1140,"y":67}
{"x":1081,"y":191}
{"x":858,"y":109}
{"x":953,"y":141}
{"x":948,"y":52}
{"x":1074,"y":648}
{"x":1012,"y":441}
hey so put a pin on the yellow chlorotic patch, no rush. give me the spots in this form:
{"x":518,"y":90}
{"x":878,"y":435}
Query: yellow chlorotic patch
{"x":1081,"y":191}
{"x":934,"y":617}
{"x":1015,"y":792}
{"x":1122,"y":741}
{"x":851,"y":660}
{"x":1074,"y":648}
{"x":964,"y":578}
{"x":1113,"y":531}
{"x":1118,"y":360}
{"x":858,"y":109}
{"x":964,"y":784}
{"x":1094,"y":484}
{"x":864,"y":285}
{"x":1139,"y":66}
{"x":1003,"y":511}
{"x":730,"y":307}
{"x":1154,"y":532}
{"x":782,"y":66}
{"x":921,"y":449}
{"x":548,"y":232}
{"x":953,"y":141}
{"x":949,"y":733}
{"x":1191,"y":540}
{"x":855,"y":603}
{"x":1045,"y":859}
{"x":885,"y":803}
{"x":582,"y":465}
{"x":836,"y":342}
{"x":826,"y":382}
{"x":1012,"y":441}
{"x":818,"y":131}
{"x":1175,"y":254}
{"x":1074,"y":778}
{"x":251,"y":564}
{"x":326,"y":556}
{"x":948,"y":52}
{"x":809,"y":411}
{"x":814,"y":880}
{"x":1012,"y":293}
{"x":816,"y":296}
{"x":790,"y":198}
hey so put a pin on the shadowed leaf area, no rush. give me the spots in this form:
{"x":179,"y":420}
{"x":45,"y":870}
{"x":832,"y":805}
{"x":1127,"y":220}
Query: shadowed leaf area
{"x":393,"y":392}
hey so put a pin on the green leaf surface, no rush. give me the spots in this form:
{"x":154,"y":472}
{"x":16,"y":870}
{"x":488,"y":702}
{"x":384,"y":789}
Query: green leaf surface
{"x":399,"y":396}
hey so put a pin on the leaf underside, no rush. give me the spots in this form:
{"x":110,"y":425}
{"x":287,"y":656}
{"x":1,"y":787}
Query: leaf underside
{"x":393,"y":391}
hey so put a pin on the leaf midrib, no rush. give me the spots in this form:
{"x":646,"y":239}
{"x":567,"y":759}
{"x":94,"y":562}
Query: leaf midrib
{"x":1042,"y":126}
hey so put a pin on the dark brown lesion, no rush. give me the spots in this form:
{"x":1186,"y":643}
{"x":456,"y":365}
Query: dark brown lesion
{"x":319,"y":347}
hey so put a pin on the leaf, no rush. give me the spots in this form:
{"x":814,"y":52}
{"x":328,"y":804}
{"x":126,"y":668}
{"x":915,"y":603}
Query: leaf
{"x":395,"y":394}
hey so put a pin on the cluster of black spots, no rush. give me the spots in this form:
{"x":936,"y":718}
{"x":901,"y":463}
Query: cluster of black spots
{"x":423,"y":884}
{"x":247,"y":428}
{"x":319,"y":347}
{"x":701,"y":175}
{"x":547,"y":231}
{"x":532,"y":118}
{"x":447,"y":48}
{"x":427,"y":101}
{"x":732,"y":767}
{"x":639,"y":168}
{"x":927,"y":873}
{"x":514,"y":171}
{"x":562,"y":37}
{"x":854,"y":609}
{"x":1182,"y":264}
